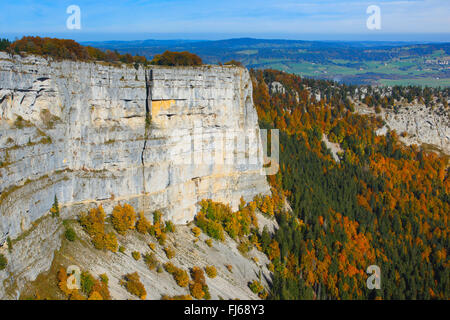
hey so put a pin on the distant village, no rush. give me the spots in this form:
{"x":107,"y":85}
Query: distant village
{"x":443,"y":61}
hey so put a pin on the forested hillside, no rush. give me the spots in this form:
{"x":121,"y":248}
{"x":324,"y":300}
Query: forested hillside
{"x":383,"y":204}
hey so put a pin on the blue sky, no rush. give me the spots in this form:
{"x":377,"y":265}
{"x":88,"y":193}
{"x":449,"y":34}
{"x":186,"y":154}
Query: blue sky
{"x":209,"y":19}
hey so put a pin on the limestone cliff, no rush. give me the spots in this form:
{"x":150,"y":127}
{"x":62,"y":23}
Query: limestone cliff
{"x":417,"y":124}
{"x":93,"y":133}
{"x":420,"y":125}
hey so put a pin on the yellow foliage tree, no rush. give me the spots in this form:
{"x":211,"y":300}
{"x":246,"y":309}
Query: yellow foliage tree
{"x":211,"y":271}
{"x":95,"y":296}
{"x":196,"y":290}
{"x":123,"y":218}
{"x":143,"y":225}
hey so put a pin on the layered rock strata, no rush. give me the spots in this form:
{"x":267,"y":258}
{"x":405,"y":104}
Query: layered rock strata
{"x":91,"y":133}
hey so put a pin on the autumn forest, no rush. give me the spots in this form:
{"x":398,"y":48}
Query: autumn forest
{"x":383,"y":204}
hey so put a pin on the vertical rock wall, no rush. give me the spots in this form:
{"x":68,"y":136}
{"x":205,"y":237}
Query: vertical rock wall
{"x":94,"y":134}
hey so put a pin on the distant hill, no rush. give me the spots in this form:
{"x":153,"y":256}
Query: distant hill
{"x":356,"y":62}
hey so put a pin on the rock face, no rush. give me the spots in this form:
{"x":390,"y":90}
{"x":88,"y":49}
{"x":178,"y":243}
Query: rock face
{"x":31,"y":254}
{"x":276,"y":87}
{"x":227,"y":285}
{"x":93,"y":134}
{"x":334,"y":148}
{"x":421,"y":125}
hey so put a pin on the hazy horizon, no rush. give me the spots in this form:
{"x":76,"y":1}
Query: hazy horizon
{"x":95,"y":37}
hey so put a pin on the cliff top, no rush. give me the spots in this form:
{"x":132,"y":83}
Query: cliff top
{"x":66,"y":49}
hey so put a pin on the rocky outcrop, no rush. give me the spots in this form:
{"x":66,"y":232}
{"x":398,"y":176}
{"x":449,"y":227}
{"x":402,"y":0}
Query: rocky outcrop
{"x":334,"y":148}
{"x":276,"y":87}
{"x":31,"y":254}
{"x":420,"y":125}
{"x":417,"y":124}
{"x":91,"y":133}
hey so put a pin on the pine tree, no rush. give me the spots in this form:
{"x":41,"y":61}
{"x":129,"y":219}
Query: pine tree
{"x":55,"y":208}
